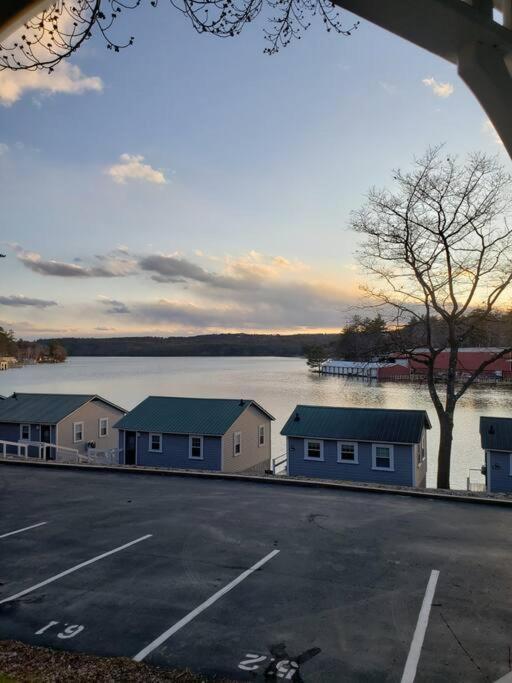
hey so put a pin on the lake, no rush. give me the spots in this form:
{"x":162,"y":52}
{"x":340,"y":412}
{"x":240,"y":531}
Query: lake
{"x":277,"y":383}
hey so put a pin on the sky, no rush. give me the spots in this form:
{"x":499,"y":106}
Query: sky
{"x":191,"y":184}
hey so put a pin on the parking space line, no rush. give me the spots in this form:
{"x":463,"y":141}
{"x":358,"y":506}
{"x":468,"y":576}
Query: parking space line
{"x":73,"y":569}
{"x":25,"y":528}
{"x":204,"y":605}
{"x":411,"y":664}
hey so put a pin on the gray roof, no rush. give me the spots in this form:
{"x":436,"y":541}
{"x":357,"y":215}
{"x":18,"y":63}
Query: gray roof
{"x":44,"y":408}
{"x":357,"y":424}
{"x":496,"y":433}
{"x":172,"y":415}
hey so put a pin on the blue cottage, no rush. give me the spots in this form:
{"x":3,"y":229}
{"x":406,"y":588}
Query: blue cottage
{"x":227,"y":435}
{"x":496,"y":440}
{"x":358,"y":444}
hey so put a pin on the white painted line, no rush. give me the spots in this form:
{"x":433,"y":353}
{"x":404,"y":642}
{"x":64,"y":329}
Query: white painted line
{"x":411,"y":664}
{"x":25,"y":528}
{"x":507,"y":678}
{"x":73,"y":569}
{"x":204,"y":605}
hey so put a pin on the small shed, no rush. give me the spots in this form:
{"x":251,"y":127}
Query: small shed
{"x":227,"y":435}
{"x":384,"y":446}
{"x":496,"y":440}
{"x":75,"y":421}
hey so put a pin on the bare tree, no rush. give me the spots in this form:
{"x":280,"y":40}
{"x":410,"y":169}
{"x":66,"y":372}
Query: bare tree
{"x":438,"y":253}
{"x":59,"y":31}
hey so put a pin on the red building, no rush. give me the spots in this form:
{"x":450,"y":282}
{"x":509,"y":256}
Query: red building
{"x":468,"y":360}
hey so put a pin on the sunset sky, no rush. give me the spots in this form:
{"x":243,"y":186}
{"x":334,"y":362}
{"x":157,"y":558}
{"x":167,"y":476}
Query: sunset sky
{"x":191,"y":184}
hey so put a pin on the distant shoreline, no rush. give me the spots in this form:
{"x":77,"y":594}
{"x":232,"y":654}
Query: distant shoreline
{"x":215,"y":345}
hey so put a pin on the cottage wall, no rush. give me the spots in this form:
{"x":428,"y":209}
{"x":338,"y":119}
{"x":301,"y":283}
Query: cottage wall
{"x":330,"y":468}
{"x":252,"y":456}
{"x":175,"y":452}
{"x":90,"y":414}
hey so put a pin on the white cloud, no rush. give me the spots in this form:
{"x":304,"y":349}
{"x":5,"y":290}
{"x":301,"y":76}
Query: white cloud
{"x":67,"y":78}
{"x":3,"y":148}
{"x":440,"y":89}
{"x":489,"y":129}
{"x":133,"y":168}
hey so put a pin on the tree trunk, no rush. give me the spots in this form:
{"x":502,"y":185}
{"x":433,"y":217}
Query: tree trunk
{"x":445,"y":450}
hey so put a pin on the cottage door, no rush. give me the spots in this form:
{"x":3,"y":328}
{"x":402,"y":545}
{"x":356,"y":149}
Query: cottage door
{"x":130,"y":448}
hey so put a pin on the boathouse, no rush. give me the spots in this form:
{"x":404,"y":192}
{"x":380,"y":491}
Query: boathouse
{"x":226,"y":435}
{"x":383,"y":446}
{"x":496,"y":440}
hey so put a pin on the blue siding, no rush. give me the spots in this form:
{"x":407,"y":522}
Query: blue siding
{"x":330,"y":468}
{"x":175,"y":450}
{"x":10,"y":431}
{"x":500,"y":479}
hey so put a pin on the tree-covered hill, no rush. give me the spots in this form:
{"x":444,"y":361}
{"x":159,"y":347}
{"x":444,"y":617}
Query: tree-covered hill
{"x":202,"y":345}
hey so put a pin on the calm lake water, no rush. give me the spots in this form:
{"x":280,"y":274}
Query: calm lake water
{"x":277,"y":383}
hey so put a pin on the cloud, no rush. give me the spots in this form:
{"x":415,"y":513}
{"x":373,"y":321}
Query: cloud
{"x":114,"y":264}
{"x":3,"y":148}
{"x":113,"y":306}
{"x":490,"y":130}
{"x":67,"y":78}
{"x":132,"y":168}
{"x":439,"y":89}
{"x":20,"y":300}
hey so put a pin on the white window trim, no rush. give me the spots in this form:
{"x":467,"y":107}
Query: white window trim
{"x":261,"y":443}
{"x":75,"y":425}
{"x":341,"y":460}
{"x":306,"y":449}
{"x":100,"y":435}
{"x":21,"y":432}
{"x":155,"y":450}
{"x":391,"y":449}
{"x":235,"y":435}
{"x":195,"y":457}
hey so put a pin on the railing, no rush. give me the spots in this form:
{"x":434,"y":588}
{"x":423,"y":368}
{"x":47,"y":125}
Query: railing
{"x":280,"y":464}
{"x":41,"y":448}
{"x":476,"y":484}
{"x":21,"y":449}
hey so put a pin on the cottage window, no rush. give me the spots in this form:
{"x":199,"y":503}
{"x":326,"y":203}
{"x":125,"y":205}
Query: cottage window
{"x":24,"y":432}
{"x":261,"y":435}
{"x":383,"y":457}
{"x":314,"y":450}
{"x":155,"y":443}
{"x":103,"y":430}
{"x":78,"y":432}
{"x":195,"y":448}
{"x":347,"y":452}
{"x":237,"y":443}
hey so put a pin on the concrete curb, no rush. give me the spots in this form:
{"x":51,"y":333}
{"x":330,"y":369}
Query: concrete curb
{"x":272,"y":479}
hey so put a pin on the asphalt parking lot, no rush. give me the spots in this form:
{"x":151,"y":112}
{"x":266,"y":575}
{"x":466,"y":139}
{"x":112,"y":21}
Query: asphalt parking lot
{"x":255,"y":581}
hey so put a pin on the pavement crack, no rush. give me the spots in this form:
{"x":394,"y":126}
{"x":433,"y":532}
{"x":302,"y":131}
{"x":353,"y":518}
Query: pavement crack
{"x":459,"y":643}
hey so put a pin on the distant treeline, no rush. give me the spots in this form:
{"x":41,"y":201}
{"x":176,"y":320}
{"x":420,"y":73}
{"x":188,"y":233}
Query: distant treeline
{"x":203,"y":345}
{"x":29,"y":351}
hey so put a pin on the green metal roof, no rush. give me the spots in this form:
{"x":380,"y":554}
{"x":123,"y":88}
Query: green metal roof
{"x":172,"y":415}
{"x":496,"y":433}
{"x":357,"y":424}
{"x":44,"y":408}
